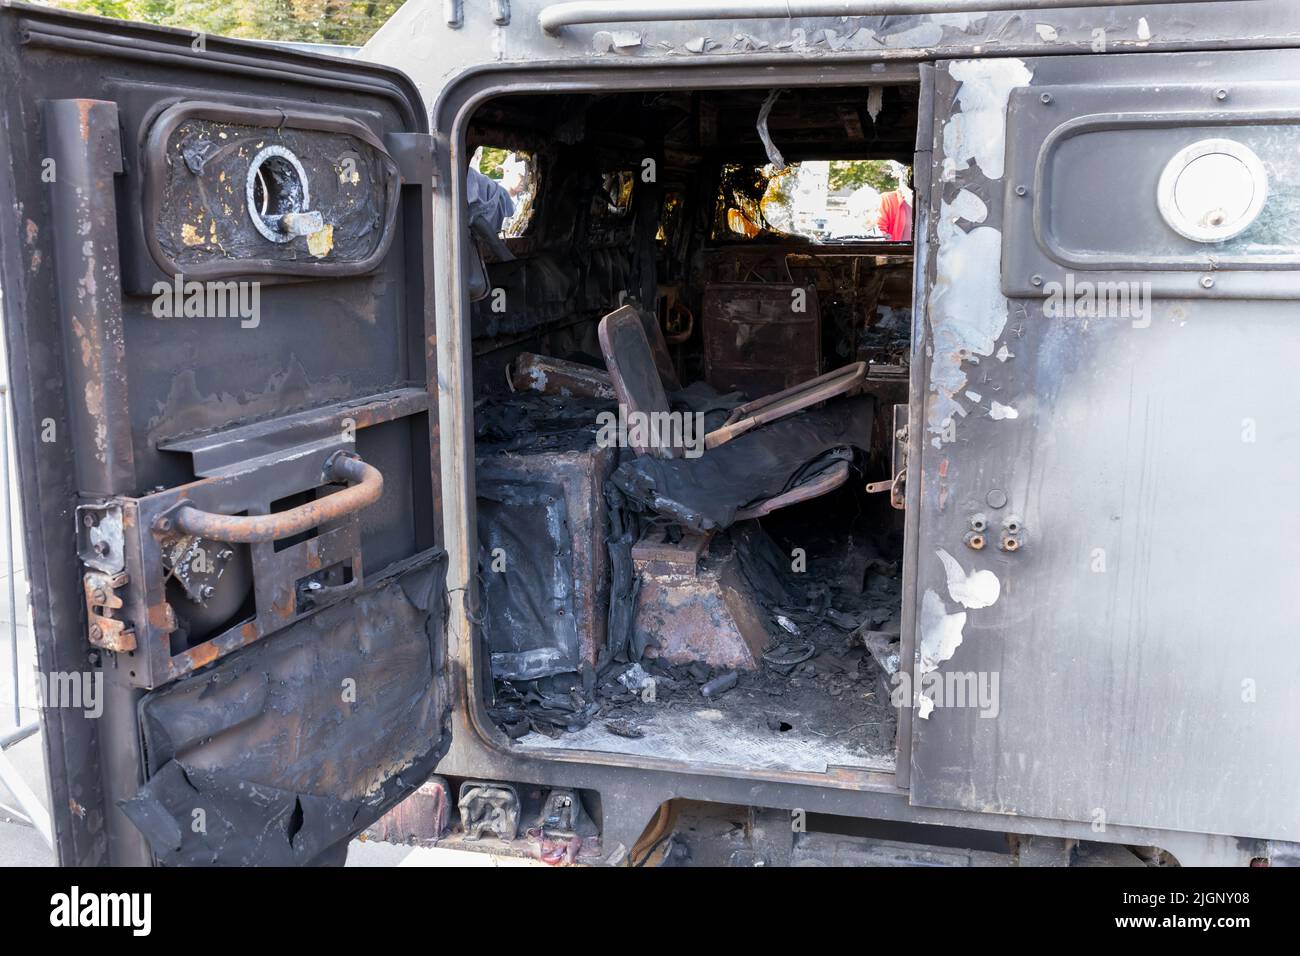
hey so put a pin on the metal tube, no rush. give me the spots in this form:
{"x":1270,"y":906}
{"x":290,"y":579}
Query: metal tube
{"x":28,"y":803}
{"x":11,"y":737}
{"x":559,"y":15}
{"x":368,"y":485}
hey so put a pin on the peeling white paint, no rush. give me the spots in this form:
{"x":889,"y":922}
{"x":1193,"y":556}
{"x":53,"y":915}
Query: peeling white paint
{"x":975,"y":397}
{"x":940,"y":631}
{"x":979,"y":131}
{"x":966,"y":205}
{"x":998,"y":412}
{"x":1144,"y":32}
{"x":875,"y":101}
{"x":974,"y":590}
{"x":1046,"y":31}
{"x":1005,"y":353}
{"x":929,"y":34}
{"x":968,"y":311}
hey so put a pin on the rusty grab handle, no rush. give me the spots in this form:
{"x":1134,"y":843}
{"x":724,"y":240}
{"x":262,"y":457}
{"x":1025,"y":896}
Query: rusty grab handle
{"x":366,"y":484}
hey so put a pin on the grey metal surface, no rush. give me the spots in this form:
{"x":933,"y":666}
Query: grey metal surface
{"x":634,"y":787}
{"x":559,"y":15}
{"x":418,"y":39}
{"x":455,"y":77}
{"x":1142,"y":634}
{"x":682,"y":53}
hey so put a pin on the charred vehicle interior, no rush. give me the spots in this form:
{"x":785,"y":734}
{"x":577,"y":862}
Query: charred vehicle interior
{"x":557,"y":422}
{"x":690,"y":375}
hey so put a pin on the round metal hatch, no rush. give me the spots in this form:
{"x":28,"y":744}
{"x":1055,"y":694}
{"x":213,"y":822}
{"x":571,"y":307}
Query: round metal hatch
{"x":1212,"y":190}
{"x":276,"y":187}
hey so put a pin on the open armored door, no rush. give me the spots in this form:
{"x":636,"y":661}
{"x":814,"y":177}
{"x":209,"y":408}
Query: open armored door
{"x":1108,"y":453}
{"x":218,"y":306}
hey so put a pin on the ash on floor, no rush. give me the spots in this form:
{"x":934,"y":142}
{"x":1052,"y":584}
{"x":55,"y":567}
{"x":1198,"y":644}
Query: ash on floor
{"x":820,"y":699}
{"x":832,"y":710}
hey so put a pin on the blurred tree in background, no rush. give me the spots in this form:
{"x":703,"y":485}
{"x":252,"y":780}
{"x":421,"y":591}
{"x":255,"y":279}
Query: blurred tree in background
{"x":347,"y":22}
{"x":489,"y":159}
{"x":862,"y":172}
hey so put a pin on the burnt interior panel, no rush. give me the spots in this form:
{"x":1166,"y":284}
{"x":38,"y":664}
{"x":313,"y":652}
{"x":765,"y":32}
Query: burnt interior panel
{"x":749,"y":634}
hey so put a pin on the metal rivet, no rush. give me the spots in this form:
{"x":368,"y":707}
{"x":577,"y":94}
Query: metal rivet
{"x":1036,"y":281}
{"x":1046,"y":98}
{"x":1022,"y":191}
{"x":997,"y":498}
{"x":1220,"y":94}
{"x":1207,"y":282}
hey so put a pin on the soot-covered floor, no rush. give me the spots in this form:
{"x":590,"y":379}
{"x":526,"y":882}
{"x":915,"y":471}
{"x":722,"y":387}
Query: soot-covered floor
{"x":831,"y":709}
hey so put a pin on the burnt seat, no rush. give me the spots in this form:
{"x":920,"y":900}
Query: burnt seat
{"x":772,"y":452}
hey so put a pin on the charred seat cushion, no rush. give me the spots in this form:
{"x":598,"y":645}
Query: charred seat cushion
{"x":704,"y":493}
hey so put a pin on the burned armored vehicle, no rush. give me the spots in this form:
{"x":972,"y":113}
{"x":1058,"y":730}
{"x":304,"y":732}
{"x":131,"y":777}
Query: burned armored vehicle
{"x":778,"y":434}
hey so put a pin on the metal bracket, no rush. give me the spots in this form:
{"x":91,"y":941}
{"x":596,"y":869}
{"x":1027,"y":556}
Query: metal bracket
{"x":100,"y":538}
{"x":102,"y":601}
{"x":896,"y":486}
{"x":413,"y":153}
{"x":488,"y":807}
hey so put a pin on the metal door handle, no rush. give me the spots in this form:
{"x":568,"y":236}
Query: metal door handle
{"x":366,"y":484}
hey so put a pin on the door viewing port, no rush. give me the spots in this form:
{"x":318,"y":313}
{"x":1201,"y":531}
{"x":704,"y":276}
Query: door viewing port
{"x":277,"y":193}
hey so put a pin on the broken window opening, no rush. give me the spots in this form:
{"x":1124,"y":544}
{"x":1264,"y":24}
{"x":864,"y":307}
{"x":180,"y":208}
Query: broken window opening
{"x":851,"y":200}
{"x":614,"y":199}
{"x":516,"y":172}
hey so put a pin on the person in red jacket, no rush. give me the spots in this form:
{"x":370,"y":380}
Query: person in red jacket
{"x":895,"y":219}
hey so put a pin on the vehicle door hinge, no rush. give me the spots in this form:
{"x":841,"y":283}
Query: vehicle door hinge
{"x":102,"y":602}
{"x":413,"y":153}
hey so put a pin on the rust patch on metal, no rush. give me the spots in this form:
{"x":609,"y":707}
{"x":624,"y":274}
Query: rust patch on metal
{"x":102,"y":601}
{"x":709,"y":615}
{"x":200,"y":656}
{"x":83,"y":109}
{"x":553,"y":376}
{"x":162,"y":618}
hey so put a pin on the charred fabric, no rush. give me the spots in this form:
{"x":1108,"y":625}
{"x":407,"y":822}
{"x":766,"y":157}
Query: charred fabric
{"x":682,"y":394}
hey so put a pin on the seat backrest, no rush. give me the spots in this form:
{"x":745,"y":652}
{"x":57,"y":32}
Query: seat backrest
{"x":659,"y":349}
{"x":631,"y":365}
